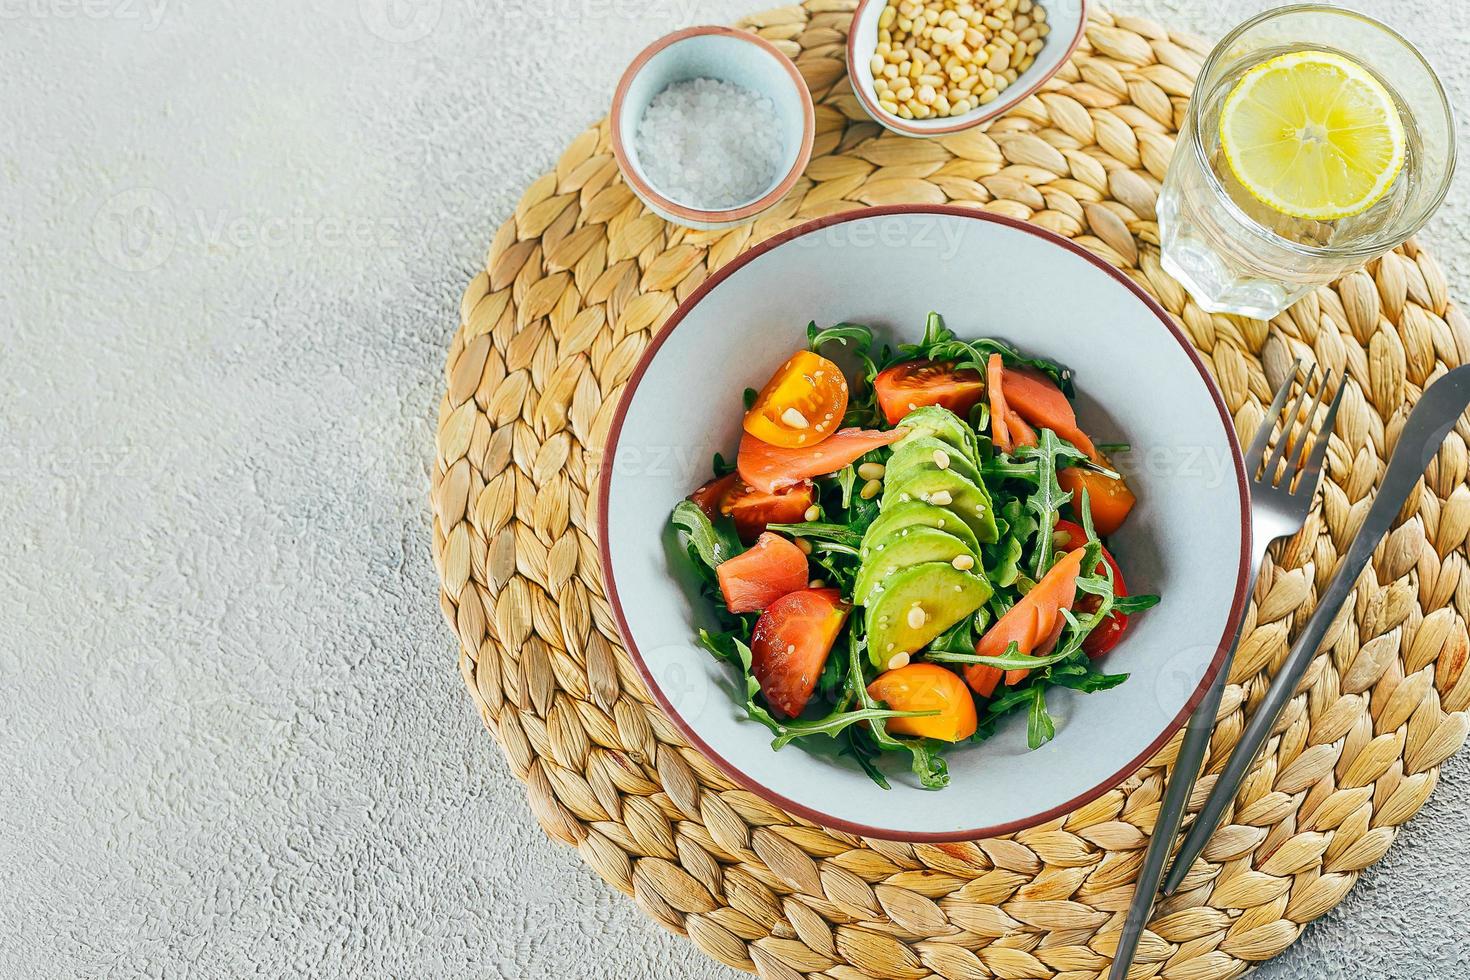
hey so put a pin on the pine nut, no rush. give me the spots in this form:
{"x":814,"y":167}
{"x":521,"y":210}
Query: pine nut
{"x":941,"y":498}
{"x":925,"y":45}
{"x":963,"y":562}
{"x":794,"y":418}
{"x":899,"y":659}
{"x":804,"y":546}
{"x":871,"y":489}
{"x":812,"y":513}
{"x":871,"y":471}
{"x":816,"y":583}
{"x":941,"y":459}
{"x":916,"y":617}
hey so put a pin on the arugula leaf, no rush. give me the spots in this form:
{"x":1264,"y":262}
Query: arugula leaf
{"x":859,"y":749}
{"x":1086,"y":678}
{"x":958,"y":640}
{"x":835,"y":723}
{"x":749,"y":397}
{"x":860,"y":336}
{"x":842,"y":534}
{"x":1130,"y":604}
{"x":1012,"y":659}
{"x":714,"y":542}
{"x":1049,"y":497}
{"x":1003,"y":559}
{"x":1040,"y":728}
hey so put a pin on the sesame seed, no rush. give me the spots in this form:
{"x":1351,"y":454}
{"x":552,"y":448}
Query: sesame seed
{"x":917,"y":617}
{"x":942,"y":498}
{"x":790,"y":649}
{"x":963,"y":562}
{"x":816,"y":583}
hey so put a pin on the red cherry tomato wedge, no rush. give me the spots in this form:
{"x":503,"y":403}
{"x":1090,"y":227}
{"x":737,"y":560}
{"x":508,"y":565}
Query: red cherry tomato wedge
{"x":927,"y":687}
{"x":790,"y":644}
{"x":754,"y":579}
{"x":1110,"y":500}
{"x":772,"y":468}
{"x":753,"y":509}
{"x":914,"y":384}
{"x":1111,"y":630}
{"x":1029,"y":624}
{"x":801,"y":405}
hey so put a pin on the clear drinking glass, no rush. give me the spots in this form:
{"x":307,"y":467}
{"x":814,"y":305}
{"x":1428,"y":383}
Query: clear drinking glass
{"x":1232,"y":252}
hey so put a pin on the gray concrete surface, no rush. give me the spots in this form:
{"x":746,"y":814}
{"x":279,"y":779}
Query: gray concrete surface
{"x":232,"y":738}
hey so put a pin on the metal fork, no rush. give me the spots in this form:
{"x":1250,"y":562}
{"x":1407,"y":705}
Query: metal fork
{"x":1282,"y":489}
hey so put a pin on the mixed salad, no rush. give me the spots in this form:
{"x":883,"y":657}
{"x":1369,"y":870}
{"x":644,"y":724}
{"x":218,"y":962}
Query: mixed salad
{"x":900,"y":563}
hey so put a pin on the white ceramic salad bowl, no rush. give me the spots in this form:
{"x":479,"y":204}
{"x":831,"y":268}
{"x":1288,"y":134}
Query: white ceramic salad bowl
{"x":1138,"y":381}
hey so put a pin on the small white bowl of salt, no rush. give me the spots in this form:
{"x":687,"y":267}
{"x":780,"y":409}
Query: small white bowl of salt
{"x":711,"y":126}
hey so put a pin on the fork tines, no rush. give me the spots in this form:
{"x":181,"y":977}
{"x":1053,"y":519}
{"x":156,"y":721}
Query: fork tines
{"x":1290,"y":467}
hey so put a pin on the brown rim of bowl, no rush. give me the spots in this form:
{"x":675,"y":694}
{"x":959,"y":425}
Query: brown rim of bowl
{"x":1000,"y":105}
{"x":1227,"y":637}
{"x":803,"y":154}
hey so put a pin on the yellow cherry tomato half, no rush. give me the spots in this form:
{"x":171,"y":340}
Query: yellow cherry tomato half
{"x":801,"y":405}
{"x":927,"y":687}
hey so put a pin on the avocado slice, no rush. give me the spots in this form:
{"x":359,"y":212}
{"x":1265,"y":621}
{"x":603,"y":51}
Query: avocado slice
{"x":926,"y":451}
{"x":908,"y":546}
{"x":966,"y":499}
{"x":945,"y":594}
{"x":915,"y":514}
{"x":940,"y":423}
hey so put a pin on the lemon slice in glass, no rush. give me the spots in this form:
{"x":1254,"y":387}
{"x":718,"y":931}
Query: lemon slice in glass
{"x":1313,"y":135}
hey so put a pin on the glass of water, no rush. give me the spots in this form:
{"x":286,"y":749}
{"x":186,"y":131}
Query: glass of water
{"x":1237,"y":254}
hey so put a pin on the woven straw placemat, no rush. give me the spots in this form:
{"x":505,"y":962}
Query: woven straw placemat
{"x":575,"y":284}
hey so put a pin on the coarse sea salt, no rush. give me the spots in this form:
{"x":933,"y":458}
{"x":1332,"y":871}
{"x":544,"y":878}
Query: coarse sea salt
{"x":709,"y":144}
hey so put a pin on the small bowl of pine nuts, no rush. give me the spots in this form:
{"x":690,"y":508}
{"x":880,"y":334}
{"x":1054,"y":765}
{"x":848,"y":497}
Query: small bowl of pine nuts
{"x":931,"y":67}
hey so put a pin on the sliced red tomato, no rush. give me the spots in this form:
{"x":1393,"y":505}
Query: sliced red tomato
{"x":801,"y":405}
{"x":927,"y":687}
{"x":712,"y":494}
{"x":790,"y":644}
{"x":914,"y":384}
{"x":1028,"y":624}
{"x":1109,"y":631}
{"x":754,"y":579}
{"x":753,"y":509}
{"x":1033,"y":396}
{"x":770,"y":468}
{"x":1110,"y":500}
